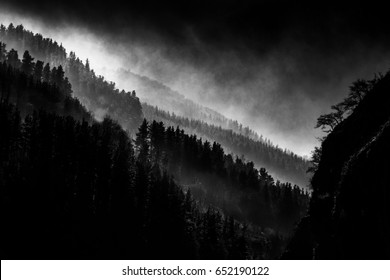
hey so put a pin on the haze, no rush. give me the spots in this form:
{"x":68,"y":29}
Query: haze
{"x":278,"y":86}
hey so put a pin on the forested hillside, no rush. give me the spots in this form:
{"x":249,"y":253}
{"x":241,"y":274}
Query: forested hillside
{"x":155,"y":93}
{"x":283,"y":164}
{"x":30,"y":86}
{"x":74,"y":188}
{"x":76,"y":181}
{"x":155,"y":160}
{"x":348,"y":216}
{"x":229,"y":183}
{"x":100,"y":97}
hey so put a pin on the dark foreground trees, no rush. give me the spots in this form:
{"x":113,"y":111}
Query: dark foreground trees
{"x":74,"y":188}
{"x":228,"y":182}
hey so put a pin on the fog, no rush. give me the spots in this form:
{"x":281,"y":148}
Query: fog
{"x":278,"y":84}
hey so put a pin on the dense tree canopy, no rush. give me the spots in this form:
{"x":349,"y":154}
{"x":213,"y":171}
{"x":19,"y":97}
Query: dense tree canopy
{"x":97,"y":95}
{"x":101,"y":98}
{"x":282,"y":163}
{"x":88,"y":192}
{"x":80,"y":186}
{"x":229,"y":183}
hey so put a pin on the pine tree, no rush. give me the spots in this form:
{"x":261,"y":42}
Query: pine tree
{"x":3,"y":52}
{"x":87,"y":67}
{"x":38,"y":70}
{"x":27,"y":63}
{"x":142,"y":142}
{"x":60,"y":77}
{"x":156,"y":132}
{"x":13,"y":59}
{"x":46,"y":73}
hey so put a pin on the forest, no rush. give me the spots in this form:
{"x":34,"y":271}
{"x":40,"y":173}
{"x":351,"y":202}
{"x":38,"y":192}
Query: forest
{"x":99,"y":96}
{"x":155,"y":93}
{"x":76,"y":187}
{"x":102,"y":98}
{"x":282,"y":164}
{"x":87,"y":171}
{"x":141,"y":131}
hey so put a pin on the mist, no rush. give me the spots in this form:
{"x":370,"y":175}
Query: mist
{"x":277,"y":78}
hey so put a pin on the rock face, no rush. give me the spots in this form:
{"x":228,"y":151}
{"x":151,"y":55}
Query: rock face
{"x":348,"y":216}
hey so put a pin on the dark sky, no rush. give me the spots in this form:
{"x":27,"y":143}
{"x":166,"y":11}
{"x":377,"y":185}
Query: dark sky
{"x":275,"y":65}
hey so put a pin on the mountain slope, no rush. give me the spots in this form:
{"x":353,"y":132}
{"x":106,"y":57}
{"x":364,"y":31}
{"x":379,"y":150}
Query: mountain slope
{"x":157,"y":94}
{"x":98,"y":95}
{"x":102,"y":98}
{"x":78,"y":189}
{"x":349,"y":215}
{"x":282,"y":164}
{"x":231,"y":185}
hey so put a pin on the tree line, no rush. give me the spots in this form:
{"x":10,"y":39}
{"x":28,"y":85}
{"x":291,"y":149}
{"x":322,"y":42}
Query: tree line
{"x":244,"y":195}
{"x":155,"y":93}
{"x":76,"y":188}
{"x":283,"y":163}
{"x":228,"y":182}
{"x":72,"y":190}
{"x":101,"y":98}
{"x":32,"y":86}
{"x":98,"y":95}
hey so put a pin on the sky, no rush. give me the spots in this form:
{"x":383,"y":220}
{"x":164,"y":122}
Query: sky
{"x":272,"y":65}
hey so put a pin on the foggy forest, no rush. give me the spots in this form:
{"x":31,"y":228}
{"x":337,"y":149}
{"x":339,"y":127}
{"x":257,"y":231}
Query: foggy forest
{"x":206,"y":130}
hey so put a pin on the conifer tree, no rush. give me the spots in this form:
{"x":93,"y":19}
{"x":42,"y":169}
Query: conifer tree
{"x":13,"y":59}
{"x":142,"y":142}
{"x":38,"y":70}
{"x":46,"y":73}
{"x":27,"y":63}
{"x":3,"y":53}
